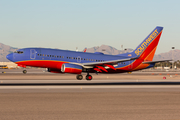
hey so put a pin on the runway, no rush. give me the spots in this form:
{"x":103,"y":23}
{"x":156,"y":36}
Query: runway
{"x":75,"y":84}
{"x":60,"y":96}
{"x":56,"y":82}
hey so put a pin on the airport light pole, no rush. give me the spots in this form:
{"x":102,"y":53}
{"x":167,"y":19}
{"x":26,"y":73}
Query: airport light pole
{"x":125,"y":50}
{"x":173,"y":57}
{"x":2,"y":57}
{"x":122,"y":47}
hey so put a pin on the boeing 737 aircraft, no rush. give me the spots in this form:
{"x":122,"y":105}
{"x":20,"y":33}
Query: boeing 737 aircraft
{"x":65,"y":61}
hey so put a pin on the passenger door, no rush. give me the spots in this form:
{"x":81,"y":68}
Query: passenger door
{"x":32,"y":53}
{"x":79,"y":59}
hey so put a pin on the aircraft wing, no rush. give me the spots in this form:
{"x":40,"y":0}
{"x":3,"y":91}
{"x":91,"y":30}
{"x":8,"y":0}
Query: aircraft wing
{"x":149,"y":62}
{"x":111,"y":62}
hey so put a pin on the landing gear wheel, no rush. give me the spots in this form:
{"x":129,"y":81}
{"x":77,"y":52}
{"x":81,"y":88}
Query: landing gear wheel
{"x":79,"y":77}
{"x":88,"y":77}
{"x":24,"y":71}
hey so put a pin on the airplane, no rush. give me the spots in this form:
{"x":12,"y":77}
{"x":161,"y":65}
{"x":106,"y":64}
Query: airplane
{"x":85,"y":49}
{"x":66,"y":61}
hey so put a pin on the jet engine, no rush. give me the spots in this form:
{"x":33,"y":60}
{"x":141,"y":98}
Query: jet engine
{"x":71,"y":68}
{"x":53,"y":70}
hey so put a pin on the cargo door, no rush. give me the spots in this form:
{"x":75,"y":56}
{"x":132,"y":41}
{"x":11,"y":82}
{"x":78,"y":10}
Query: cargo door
{"x":130,"y":66}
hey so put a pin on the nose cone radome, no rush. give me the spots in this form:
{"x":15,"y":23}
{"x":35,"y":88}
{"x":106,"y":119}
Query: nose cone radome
{"x":10,"y":56}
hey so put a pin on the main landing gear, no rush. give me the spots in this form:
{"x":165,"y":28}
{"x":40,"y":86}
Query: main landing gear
{"x":80,"y":77}
{"x":88,"y":77}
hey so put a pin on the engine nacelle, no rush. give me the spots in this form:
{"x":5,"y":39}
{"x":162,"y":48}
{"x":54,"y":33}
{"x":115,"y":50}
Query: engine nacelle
{"x":53,"y":70}
{"x":71,"y":68}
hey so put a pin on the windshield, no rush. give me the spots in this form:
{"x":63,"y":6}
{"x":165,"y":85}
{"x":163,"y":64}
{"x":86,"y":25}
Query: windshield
{"x":19,"y":52}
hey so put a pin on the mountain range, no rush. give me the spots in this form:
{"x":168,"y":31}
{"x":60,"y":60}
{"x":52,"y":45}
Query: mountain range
{"x":5,"y":49}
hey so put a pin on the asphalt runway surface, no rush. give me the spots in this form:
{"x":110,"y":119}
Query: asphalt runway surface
{"x":43,"y":96}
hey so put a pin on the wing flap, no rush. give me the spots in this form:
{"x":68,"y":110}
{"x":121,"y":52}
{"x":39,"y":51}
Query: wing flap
{"x":149,"y":62}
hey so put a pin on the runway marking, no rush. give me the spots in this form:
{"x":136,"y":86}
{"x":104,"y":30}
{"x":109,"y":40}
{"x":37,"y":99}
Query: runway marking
{"x":79,"y":81}
{"x":89,"y":87}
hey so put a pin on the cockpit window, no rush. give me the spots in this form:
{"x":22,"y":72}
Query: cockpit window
{"x":19,"y":52}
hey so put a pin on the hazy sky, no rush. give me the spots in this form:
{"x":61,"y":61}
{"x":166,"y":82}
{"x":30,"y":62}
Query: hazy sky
{"x":67,"y":24}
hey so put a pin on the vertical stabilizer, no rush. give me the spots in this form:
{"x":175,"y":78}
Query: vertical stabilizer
{"x":147,"y":48}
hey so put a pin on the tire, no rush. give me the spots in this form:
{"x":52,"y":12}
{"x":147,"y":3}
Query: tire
{"x":79,"y":77}
{"x":88,"y":77}
{"x":24,"y":71}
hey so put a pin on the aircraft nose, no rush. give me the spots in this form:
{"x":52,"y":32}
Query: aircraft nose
{"x":10,"y":56}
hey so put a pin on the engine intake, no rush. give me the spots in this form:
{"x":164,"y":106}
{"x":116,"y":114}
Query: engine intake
{"x":71,"y":68}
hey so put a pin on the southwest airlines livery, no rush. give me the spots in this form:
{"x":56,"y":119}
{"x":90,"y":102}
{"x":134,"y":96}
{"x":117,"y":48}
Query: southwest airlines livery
{"x":65,"y":61}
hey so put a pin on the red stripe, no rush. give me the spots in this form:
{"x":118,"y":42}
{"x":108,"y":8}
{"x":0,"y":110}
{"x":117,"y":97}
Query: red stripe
{"x":96,"y":69}
{"x":110,"y":66}
{"x":102,"y":68}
